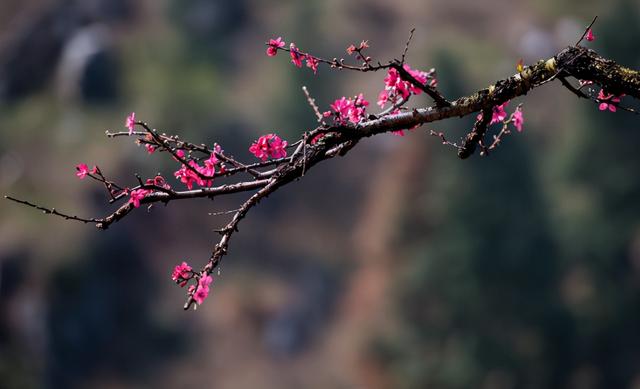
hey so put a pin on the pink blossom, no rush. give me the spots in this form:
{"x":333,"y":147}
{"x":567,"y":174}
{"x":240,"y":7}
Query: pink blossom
{"x":351,"y":49}
{"x":269,"y":146}
{"x":200,"y":295}
{"x":394,"y":83}
{"x":296,"y":55}
{"x":340,"y":108}
{"x":181,"y":274}
{"x":420,"y":76}
{"x":357,"y":112}
{"x":208,"y":170}
{"x":518,"y":120}
{"x":498,"y":115}
{"x":137,"y":195}
{"x":150,"y":148}
{"x":312,"y":62}
{"x":130,"y":123}
{"x":209,"y":165}
{"x":352,"y":109}
{"x":395,"y":87}
{"x":188,"y":176}
{"x":185,"y":176}
{"x":203,"y":289}
{"x":382,"y":98}
{"x":197,"y":177}
{"x":360,"y":101}
{"x":608,"y":101}
{"x":260,"y":148}
{"x":589,"y":36}
{"x":206,"y":281}
{"x":83,"y":170}
{"x":278,"y":147}
{"x":274,"y":45}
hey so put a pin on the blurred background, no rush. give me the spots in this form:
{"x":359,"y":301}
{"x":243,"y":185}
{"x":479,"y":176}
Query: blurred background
{"x":398,"y":266}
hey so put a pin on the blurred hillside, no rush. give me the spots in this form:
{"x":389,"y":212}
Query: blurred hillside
{"x":398,"y":266}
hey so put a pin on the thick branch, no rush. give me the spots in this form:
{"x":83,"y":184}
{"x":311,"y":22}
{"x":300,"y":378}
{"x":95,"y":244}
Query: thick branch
{"x":586,"y":64}
{"x":578,"y":62}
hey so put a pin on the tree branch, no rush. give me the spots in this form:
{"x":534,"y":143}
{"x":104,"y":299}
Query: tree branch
{"x":328,"y":141}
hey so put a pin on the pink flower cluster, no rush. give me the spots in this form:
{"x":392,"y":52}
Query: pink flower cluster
{"x":202,"y":291}
{"x":274,"y":45}
{"x":189,"y":176}
{"x":499,"y":115}
{"x":136,"y":195}
{"x":312,"y":62}
{"x":395,"y":87}
{"x":83,"y":170}
{"x":608,"y":101}
{"x":297,"y":56}
{"x":353,"y":49}
{"x":351,"y":109}
{"x":182,"y":273}
{"x":269,"y":146}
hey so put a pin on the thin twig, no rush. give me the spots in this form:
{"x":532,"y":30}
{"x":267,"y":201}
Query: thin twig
{"x":221,"y":248}
{"x":53,"y":211}
{"x":312,"y":104}
{"x":406,"y":46}
{"x":224,"y":212}
{"x":444,"y":139}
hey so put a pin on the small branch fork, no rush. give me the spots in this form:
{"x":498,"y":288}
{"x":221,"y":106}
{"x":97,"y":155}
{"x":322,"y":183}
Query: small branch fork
{"x":327,"y":141}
